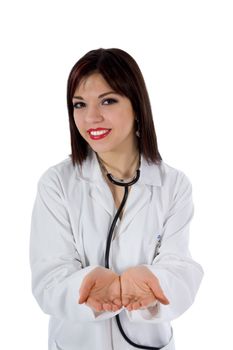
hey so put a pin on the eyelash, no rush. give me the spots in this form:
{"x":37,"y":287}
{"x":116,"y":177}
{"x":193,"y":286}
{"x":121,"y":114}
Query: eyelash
{"x":82,"y":104}
{"x":75,"y":105}
{"x":113,"y":100}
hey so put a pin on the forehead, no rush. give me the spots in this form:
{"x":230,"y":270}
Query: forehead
{"x":92,"y":83}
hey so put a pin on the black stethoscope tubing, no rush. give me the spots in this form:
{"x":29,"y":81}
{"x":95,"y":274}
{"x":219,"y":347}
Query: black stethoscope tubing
{"x":108,"y":246}
{"x":126,"y":185}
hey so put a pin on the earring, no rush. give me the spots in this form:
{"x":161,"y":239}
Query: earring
{"x":138,"y":129}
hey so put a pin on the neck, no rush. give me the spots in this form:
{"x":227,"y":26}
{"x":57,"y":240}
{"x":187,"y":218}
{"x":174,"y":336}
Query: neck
{"x":121,"y":165}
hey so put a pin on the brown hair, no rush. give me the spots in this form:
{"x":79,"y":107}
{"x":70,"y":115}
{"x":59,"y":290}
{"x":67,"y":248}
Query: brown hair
{"x":123,"y":75}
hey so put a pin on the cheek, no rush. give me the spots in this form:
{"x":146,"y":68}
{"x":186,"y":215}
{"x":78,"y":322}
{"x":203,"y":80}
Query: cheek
{"x":128,"y":124}
{"x":77,"y":121}
{"x":123,"y":118}
{"x":128,"y":119}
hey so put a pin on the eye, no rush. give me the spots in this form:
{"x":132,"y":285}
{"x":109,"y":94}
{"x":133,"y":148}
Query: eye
{"x":109,"y":101}
{"x":78,"y":105}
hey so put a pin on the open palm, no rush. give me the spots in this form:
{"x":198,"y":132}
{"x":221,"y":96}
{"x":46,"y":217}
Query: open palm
{"x":101,"y":290}
{"x":137,"y":287}
{"x":140,"y":288}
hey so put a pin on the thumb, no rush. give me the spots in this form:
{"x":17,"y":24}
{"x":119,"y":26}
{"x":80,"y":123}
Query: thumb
{"x":157,"y":291}
{"x":85,"y":289}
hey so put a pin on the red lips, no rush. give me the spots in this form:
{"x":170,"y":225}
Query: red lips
{"x":97,"y":129}
{"x":98,"y":137}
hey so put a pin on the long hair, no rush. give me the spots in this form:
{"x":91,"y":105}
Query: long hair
{"x":123,"y":75}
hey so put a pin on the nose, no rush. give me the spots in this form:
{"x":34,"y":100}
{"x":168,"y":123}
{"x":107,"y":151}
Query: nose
{"x":93,"y":115}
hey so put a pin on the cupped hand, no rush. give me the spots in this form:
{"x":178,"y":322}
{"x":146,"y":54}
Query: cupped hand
{"x":101,"y":290}
{"x":140,"y":288}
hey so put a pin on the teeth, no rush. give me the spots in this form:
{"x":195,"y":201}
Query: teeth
{"x":99,"y":132}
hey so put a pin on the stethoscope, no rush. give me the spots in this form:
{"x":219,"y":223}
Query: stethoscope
{"x":125,"y":184}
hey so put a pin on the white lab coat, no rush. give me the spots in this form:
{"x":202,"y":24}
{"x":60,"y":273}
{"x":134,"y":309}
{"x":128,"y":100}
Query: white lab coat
{"x":71,"y":218}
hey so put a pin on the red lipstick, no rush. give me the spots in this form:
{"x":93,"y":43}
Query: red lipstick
{"x":98,"y":133}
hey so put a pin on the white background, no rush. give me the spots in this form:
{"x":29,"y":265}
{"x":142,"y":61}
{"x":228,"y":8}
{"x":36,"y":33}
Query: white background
{"x":185,"y":52}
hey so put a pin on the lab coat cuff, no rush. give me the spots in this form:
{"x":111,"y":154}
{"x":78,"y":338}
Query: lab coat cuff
{"x":149,"y":314}
{"x":104,"y":315}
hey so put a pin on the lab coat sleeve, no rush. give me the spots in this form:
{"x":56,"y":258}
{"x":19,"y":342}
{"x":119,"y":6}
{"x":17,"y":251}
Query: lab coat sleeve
{"x":56,"y":267}
{"x":178,"y":274}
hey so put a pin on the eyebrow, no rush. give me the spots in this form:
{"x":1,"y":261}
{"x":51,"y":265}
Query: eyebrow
{"x":100,"y":96}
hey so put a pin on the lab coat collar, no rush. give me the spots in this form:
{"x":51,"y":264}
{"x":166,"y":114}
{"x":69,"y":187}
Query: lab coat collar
{"x":100,"y":192}
{"x":151,"y":174}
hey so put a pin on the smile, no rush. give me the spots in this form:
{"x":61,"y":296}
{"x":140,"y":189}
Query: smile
{"x":98,"y":134}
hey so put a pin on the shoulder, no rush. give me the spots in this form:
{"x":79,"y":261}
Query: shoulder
{"x":172,"y":173}
{"x":59,"y":175}
{"x":163,"y":175}
{"x":174,"y":180}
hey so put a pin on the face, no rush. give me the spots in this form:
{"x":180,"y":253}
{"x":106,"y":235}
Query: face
{"x":104,"y":118}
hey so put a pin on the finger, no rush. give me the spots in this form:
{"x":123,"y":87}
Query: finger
{"x":147,"y":302}
{"x":136,"y":305}
{"x":133,"y":304}
{"x":85,"y":289}
{"x":129,"y":307}
{"x":125,"y":301}
{"x":94,"y":304}
{"x":163,"y":299}
{"x":158,"y":292}
{"x":117,"y":302}
{"x":115,"y":307}
{"x":107,"y":307}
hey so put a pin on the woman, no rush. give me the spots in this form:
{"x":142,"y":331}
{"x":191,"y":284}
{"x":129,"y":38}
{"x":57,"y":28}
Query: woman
{"x":109,"y":249}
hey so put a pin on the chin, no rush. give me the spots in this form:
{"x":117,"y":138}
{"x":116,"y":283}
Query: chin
{"x":101,"y":148}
